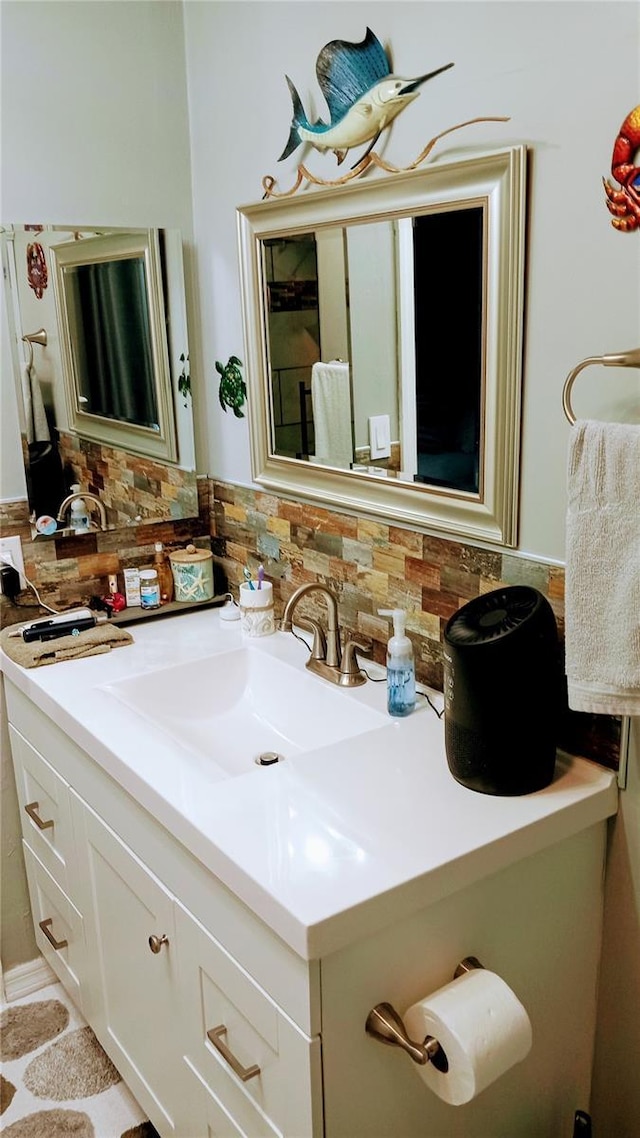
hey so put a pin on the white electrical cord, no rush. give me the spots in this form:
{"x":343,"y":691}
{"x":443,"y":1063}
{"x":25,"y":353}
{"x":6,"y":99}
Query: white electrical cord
{"x":6,"y":561}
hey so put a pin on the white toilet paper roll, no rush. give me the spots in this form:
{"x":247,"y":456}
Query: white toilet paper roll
{"x":482,"y":1028}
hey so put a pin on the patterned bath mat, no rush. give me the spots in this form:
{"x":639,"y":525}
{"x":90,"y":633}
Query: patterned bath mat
{"x":57,"y":1082}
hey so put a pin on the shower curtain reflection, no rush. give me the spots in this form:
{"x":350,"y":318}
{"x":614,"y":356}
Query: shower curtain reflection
{"x":114,"y":358}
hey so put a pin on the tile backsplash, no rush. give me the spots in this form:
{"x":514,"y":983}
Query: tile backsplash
{"x":370,"y":565}
{"x":130,"y":486}
{"x":69,"y":570}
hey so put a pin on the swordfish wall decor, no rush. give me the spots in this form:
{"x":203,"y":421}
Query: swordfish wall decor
{"x":363,"y":98}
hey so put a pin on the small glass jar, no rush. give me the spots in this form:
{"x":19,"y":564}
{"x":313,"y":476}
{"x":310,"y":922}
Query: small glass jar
{"x":149,"y":589}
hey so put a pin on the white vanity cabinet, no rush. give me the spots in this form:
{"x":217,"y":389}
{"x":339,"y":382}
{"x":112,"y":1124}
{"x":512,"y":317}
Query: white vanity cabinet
{"x":186,"y":998}
{"x":228,"y":1025}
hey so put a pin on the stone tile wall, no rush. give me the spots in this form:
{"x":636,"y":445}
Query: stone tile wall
{"x":129,"y":485}
{"x":69,"y":570}
{"x":370,"y":565}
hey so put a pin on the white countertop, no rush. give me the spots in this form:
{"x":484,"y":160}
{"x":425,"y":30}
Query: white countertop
{"x":330,"y":845}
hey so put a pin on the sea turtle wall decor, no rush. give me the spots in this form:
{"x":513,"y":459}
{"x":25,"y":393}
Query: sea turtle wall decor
{"x":233,"y":390}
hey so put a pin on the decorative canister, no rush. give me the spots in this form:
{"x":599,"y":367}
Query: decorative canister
{"x":256,"y":607}
{"x":192,"y":573}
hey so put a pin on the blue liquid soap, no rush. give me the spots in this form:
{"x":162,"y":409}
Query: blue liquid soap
{"x":401,"y":675}
{"x":401,"y":689}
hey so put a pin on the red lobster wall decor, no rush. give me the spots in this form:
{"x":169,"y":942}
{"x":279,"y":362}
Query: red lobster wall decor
{"x":624,"y":203}
{"x":37,"y":273}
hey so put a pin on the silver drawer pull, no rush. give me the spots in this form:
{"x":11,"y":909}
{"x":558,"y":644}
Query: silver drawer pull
{"x":32,"y":810}
{"x":45,"y":926}
{"x":156,"y":942}
{"x":244,"y":1073}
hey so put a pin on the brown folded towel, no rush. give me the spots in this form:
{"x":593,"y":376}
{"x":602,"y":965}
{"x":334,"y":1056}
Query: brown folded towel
{"x":91,"y":642}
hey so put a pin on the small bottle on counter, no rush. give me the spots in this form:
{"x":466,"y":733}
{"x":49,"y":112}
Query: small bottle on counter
{"x":149,"y":589}
{"x":165,"y":576}
{"x":132,"y":586}
{"x":116,"y":600}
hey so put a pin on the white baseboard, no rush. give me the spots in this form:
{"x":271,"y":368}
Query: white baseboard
{"x":27,"y":978}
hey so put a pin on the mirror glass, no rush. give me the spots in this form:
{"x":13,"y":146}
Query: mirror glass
{"x":384,"y":332}
{"x":103,"y":374}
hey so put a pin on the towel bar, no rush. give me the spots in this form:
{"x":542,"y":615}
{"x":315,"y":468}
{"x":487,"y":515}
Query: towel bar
{"x":31,"y":338}
{"x":617,"y":359}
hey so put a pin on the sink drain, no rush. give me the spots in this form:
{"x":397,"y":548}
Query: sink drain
{"x":268,"y":758}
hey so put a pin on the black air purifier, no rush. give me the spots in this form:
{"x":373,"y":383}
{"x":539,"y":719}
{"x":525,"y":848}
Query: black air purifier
{"x":502,"y":686}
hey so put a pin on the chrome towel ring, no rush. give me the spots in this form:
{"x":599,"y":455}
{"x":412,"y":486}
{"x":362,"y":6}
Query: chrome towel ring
{"x":618,"y":359}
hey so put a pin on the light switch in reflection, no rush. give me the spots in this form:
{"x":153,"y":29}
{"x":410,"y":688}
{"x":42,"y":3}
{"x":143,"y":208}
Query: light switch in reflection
{"x":380,"y":436}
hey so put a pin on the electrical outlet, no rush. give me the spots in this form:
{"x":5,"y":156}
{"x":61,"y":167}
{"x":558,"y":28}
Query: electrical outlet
{"x":11,"y":553}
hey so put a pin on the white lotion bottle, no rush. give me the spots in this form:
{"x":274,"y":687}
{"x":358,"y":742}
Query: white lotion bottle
{"x":401,"y":672}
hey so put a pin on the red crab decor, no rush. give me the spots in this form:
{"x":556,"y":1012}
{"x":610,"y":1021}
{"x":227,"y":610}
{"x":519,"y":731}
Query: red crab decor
{"x":37,"y":274}
{"x":624,"y":203}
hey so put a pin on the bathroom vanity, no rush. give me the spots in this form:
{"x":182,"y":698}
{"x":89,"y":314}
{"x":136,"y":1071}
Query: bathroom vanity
{"x":226,"y":928}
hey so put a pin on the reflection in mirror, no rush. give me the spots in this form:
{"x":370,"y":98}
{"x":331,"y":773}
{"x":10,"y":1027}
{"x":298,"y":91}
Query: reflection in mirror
{"x":384,"y":329}
{"x":114,"y":372}
{"x":101,"y":395}
{"x":449,"y":315}
{"x":339,"y":287}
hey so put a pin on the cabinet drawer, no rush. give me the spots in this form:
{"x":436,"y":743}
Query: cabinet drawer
{"x":58,"y":925}
{"x":44,"y":809}
{"x":259,"y":1067}
{"x":208,"y":1117}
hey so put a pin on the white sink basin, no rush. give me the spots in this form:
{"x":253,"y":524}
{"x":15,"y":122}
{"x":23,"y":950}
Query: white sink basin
{"x":235,"y":706}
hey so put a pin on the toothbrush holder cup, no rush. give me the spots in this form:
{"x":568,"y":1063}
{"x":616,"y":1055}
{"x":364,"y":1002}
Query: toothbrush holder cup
{"x":256,"y":609}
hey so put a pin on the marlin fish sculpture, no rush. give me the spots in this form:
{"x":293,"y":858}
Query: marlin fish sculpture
{"x":362,"y":95}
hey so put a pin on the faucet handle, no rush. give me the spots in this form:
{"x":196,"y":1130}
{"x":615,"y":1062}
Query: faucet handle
{"x":319,"y":647}
{"x":351,"y":674}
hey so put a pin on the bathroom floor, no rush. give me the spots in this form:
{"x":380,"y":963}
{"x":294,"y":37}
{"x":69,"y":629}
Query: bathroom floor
{"x":57,"y":1082}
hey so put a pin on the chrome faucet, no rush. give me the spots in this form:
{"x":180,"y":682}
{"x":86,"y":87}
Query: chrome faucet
{"x":86,"y":497}
{"x":326,"y":658}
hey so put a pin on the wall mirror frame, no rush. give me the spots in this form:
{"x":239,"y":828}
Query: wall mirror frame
{"x":495,"y":182}
{"x":111,"y":323}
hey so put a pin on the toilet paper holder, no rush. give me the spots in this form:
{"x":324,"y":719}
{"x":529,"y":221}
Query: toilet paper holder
{"x":384,"y":1023}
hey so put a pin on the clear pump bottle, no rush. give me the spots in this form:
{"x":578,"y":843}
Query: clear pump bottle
{"x":165,"y":575}
{"x":401,"y":675}
{"x":79,"y":513}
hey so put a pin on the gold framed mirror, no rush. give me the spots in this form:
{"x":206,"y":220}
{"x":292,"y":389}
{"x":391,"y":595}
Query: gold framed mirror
{"x":383,"y":338}
{"x":111,"y":323}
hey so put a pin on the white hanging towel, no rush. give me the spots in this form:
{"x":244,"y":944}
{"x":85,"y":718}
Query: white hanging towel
{"x":331,"y":400}
{"x":37,"y":425}
{"x":602,"y":587}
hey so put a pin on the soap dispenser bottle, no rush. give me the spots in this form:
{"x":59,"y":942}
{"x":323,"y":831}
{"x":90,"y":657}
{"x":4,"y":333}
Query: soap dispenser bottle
{"x":401,"y":675}
{"x":79,"y":512}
